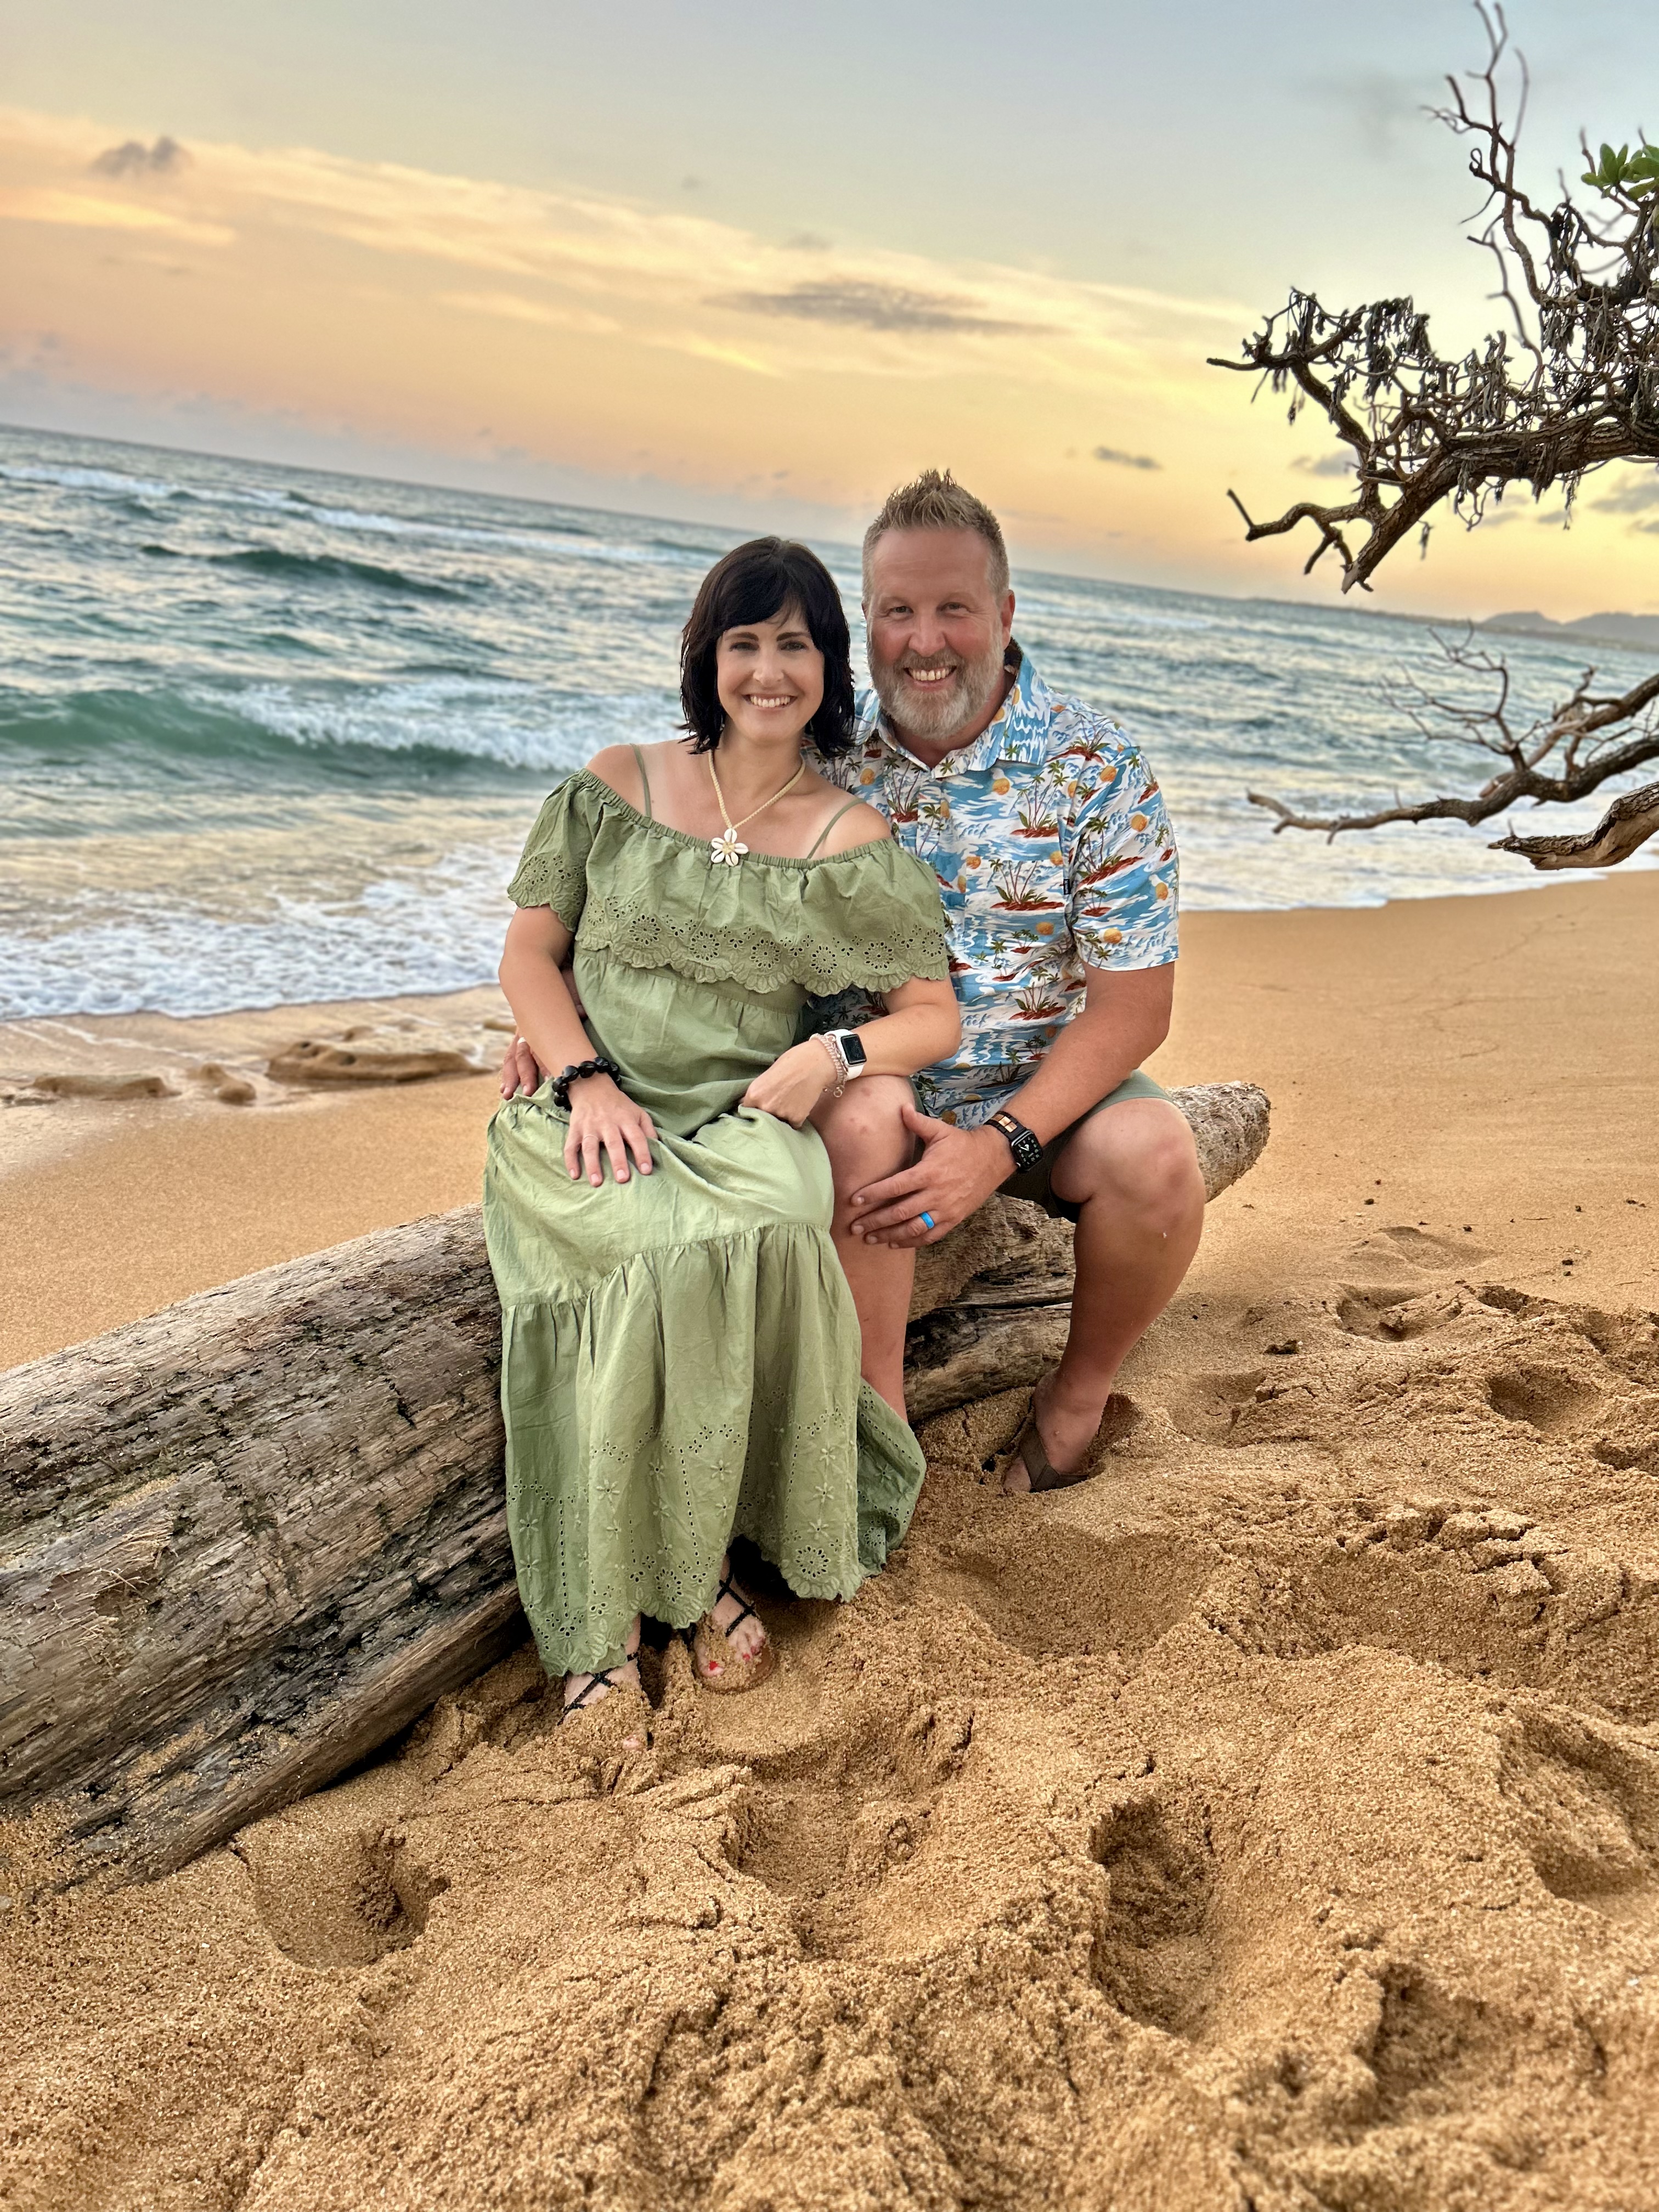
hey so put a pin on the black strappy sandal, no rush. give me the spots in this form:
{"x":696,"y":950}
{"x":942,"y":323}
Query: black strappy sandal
{"x":604,"y":1680}
{"x":714,"y":1662}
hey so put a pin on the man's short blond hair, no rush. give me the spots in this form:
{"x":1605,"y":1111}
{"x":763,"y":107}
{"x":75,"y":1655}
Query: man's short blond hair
{"x":935,"y":500}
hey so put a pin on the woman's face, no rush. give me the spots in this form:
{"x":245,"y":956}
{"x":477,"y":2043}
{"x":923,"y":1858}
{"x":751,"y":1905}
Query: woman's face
{"x":770,"y":677}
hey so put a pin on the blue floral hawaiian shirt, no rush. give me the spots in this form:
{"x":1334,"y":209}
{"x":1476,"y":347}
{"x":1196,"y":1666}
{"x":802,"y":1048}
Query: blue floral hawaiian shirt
{"x":1053,"y":850}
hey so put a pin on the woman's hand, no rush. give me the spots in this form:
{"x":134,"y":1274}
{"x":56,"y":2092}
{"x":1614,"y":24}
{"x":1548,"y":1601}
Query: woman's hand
{"x":793,"y":1084}
{"x":604,"y":1119}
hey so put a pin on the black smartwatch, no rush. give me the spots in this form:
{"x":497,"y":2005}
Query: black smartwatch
{"x":1025,"y":1144}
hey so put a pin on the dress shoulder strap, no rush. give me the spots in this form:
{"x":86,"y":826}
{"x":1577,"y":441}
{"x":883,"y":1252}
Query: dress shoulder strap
{"x":831,"y":823}
{"x":645,"y":781}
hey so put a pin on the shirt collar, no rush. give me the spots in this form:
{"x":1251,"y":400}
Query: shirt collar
{"x":1018,"y":731}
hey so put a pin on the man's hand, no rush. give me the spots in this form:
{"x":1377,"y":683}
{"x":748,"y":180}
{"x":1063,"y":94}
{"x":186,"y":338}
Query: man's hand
{"x":958,"y":1170}
{"x":520,"y":1070}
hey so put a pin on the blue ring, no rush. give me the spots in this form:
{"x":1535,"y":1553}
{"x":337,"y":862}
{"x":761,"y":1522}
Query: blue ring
{"x":926,"y":1219}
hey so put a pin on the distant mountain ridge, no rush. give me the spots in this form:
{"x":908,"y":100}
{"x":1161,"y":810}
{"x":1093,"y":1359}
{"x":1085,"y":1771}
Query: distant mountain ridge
{"x":1639,"y":630}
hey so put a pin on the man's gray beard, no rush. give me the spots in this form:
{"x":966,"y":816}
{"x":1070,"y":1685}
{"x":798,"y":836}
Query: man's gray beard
{"x":957,"y":705}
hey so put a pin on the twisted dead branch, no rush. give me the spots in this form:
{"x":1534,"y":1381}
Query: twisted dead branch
{"x":1571,"y":385}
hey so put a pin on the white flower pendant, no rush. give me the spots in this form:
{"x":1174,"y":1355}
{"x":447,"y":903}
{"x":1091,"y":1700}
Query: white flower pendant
{"x":726,"y":849}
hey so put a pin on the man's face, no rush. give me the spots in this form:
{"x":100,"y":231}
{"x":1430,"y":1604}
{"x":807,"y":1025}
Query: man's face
{"x":937,"y":631}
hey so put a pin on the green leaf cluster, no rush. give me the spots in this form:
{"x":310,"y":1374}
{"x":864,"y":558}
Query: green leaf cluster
{"x":1633,"y":174}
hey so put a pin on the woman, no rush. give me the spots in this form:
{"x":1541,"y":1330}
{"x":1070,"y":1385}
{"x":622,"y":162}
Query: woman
{"x":680,"y":1355}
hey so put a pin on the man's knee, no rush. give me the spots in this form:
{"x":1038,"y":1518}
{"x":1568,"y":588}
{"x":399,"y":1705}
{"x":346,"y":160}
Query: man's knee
{"x":1138,"y":1155}
{"x":863,"y":1132}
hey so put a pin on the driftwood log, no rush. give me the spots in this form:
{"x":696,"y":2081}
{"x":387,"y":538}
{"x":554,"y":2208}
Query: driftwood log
{"x":245,"y":1542}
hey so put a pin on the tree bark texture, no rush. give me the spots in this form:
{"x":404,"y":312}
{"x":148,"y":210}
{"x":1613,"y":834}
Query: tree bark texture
{"x":246,"y":1541}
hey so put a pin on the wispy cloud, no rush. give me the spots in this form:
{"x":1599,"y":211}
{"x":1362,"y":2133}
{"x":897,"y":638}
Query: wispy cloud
{"x":862,"y":304}
{"x":662,"y":275}
{"x":510,"y":307}
{"x":165,"y":157}
{"x":1114,"y":458}
{"x":1635,"y":494}
{"x":1326,"y":464}
{"x":87,"y":211}
{"x":1377,"y":105}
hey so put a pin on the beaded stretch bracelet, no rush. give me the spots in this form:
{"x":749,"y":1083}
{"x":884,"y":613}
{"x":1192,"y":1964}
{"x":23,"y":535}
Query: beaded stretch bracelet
{"x":832,"y":1045}
{"x":575,"y":1072}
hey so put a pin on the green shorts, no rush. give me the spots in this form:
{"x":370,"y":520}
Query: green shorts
{"x":1036,"y":1184}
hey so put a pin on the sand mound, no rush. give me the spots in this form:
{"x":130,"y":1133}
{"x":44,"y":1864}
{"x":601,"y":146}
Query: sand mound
{"x":379,"y":1061}
{"x":1273,"y":1822}
{"x":83,"y":1085}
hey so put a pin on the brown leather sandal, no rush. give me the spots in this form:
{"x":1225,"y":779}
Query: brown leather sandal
{"x":1029,"y":1451}
{"x":1120,"y":1416}
{"x":717,"y":1665}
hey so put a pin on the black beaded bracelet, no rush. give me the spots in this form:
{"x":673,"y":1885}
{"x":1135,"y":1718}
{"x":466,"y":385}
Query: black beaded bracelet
{"x":575,"y":1072}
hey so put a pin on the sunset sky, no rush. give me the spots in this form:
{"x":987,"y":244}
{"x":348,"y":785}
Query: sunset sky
{"x":754,"y":264}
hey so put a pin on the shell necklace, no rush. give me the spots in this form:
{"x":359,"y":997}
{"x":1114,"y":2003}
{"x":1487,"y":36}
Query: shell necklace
{"x":725,"y":849}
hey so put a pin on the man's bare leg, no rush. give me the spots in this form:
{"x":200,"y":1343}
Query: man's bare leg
{"x":866,"y":1140}
{"x":1134,"y":1172}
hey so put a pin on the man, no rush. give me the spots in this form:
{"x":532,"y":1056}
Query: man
{"x":1058,"y":875}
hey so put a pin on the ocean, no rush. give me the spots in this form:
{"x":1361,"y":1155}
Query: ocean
{"x":270,"y":735}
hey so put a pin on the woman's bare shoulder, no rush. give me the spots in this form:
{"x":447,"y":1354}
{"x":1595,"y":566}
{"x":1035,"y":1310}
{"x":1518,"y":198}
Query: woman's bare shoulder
{"x":859,"y":825}
{"x":619,"y":767}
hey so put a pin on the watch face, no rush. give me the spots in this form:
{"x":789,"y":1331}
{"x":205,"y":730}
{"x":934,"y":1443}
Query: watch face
{"x":1025,"y":1144}
{"x":853,"y":1045}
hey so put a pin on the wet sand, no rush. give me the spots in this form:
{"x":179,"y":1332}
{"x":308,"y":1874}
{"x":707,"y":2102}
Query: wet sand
{"x":111,"y":1208}
{"x":1272,"y":1821}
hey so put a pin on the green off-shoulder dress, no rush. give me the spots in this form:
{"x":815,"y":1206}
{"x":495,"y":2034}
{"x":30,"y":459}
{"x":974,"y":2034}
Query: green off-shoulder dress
{"x":680,"y":1353}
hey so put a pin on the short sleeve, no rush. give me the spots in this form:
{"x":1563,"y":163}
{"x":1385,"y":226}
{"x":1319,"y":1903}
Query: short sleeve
{"x":1123,"y":873}
{"x":874,"y":921}
{"x":553,"y":868}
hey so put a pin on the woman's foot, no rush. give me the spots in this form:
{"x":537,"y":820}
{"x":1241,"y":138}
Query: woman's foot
{"x":583,"y":1691}
{"x":730,"y":1649}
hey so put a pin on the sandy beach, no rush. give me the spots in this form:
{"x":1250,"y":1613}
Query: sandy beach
{"x":1271,"y":1822}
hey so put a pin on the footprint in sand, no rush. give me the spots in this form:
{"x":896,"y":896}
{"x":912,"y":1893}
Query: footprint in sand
{"x":1390,"y":1313}
{"x":1154,"y":1958}
{"x":334,"y":1891}
{"x":1548,"y":1399}
{"x":1057,"y":1590}
{"x":1585,"y":1800}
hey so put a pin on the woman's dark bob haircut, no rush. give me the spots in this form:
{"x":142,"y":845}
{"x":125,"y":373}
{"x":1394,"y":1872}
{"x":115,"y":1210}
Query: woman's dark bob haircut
{"x":751,"y":584}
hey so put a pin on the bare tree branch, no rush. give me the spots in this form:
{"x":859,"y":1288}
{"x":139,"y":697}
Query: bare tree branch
{"x":1627,"y":823}
{"x":1570,"y":386}
{"x":1584,"y":768}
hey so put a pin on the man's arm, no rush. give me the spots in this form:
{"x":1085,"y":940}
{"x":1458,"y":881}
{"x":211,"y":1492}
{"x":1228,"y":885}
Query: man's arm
{"x":1124,"y":1019}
